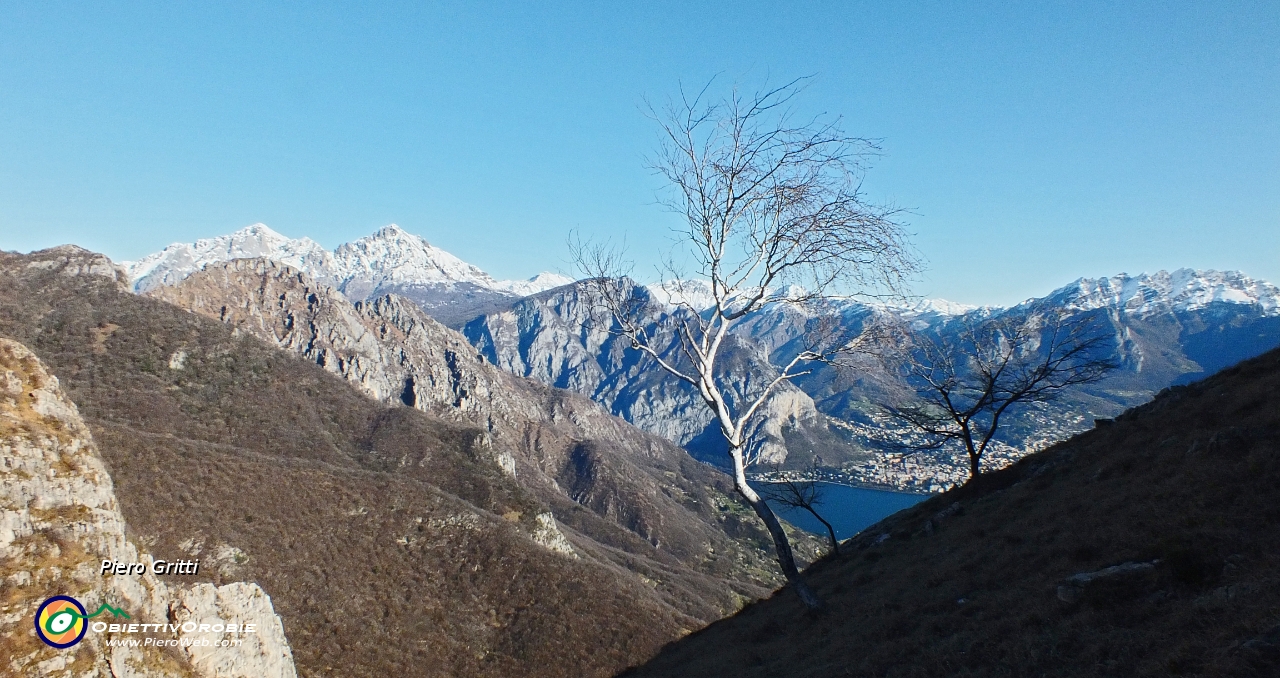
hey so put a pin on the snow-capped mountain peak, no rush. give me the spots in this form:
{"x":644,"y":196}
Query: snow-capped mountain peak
{"x":1182,"y":290}
{"x":177,"y":261}
{"x":938,"y":307}
{"x":390,"y":258}
{"x":393,"y":255}
{"x":542,"y":282}
{"x":695,"y":294}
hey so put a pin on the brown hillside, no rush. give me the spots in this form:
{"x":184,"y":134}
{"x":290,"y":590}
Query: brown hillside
{"x":975,"y":582}
{"x":389,"y":539}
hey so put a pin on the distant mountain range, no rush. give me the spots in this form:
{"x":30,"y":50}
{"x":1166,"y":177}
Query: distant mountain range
{"x":392,"y":260}
{"x":1164,"y":328}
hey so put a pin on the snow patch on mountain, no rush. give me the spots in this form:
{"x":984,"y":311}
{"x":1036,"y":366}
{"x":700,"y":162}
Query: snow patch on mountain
{"x":695,"y":294}
{"x":395,"y":257}
{"x":390,"y":258}
{"x":542,"y":282}
{"x":940,"y":307}
{"x":179,"y":260}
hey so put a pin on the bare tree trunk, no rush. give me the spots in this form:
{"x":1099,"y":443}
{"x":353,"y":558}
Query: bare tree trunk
{"x":786,"y":558}
{"x":974,"y":466}
{"x":831,"y":531}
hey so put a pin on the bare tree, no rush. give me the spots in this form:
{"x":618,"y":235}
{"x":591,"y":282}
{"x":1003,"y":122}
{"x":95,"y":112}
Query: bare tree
{"x":803,"y":494}
{"x":773,"y":212}
{"x":967,"y":381}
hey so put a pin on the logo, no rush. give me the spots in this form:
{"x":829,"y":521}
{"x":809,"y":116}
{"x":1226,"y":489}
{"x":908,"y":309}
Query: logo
{"x":61,"y":620}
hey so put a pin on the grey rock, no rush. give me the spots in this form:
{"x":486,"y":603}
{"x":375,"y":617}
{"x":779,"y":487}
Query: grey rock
{"x":554,"y":338}
{"x":1164,"y":329}
{"x":59,"y":519}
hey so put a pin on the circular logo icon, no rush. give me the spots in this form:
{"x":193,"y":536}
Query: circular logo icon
{"x":60,"y":621}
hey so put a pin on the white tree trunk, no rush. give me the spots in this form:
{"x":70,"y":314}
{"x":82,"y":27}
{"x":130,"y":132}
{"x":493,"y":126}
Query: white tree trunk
{"x":786,"y":559}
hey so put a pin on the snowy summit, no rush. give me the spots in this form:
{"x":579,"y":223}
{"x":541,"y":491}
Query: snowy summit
{"x":391,"y":257}
{"x":1183,"y":290}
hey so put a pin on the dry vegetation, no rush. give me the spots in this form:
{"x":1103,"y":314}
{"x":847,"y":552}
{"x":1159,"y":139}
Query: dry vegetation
{"x":967,"y":583}
{"x":389,"y":544}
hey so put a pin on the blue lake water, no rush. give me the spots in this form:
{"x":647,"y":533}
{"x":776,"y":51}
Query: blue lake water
{"x":849,"y":509}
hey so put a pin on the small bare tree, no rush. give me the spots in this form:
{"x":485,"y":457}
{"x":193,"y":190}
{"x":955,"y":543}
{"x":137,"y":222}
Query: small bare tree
{"x":772,"y":212}
{"x":967,"y":381}
{"x":803,"y":494}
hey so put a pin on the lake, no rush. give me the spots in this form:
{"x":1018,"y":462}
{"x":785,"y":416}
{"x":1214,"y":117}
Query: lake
{"x":849,"y":509}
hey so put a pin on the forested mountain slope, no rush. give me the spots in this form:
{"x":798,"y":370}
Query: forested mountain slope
{"x":59,"y":519}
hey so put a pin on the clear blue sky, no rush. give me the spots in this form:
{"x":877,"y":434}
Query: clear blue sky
{"x":1034,"y":143}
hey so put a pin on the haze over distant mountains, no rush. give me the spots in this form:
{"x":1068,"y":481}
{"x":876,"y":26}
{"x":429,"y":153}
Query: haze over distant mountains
{"x":1164,"y":329}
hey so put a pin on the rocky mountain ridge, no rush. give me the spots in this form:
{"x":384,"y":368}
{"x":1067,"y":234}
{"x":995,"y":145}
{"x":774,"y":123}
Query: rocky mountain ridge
{"x":560,"y":446}
{"x":1168,"y":327}
{"x":1182,"y":291}
{"x":553,"y":338}
{"x":59,"y":519}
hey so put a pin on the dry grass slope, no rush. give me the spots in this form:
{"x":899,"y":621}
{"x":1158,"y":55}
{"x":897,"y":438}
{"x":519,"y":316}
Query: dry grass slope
{"x":967,"y":583}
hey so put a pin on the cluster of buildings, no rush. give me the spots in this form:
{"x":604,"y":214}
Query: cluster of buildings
{"x":928,"y":471}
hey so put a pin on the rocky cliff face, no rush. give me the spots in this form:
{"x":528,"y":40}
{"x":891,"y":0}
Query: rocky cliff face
{"x":550,"y":337}
{"x":1165,"y":329}
{"x":59,"y":520}
{"x":1162,"y":329}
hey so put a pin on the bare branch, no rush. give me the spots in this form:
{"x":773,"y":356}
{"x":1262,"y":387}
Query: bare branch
{"x":968,"y":380}
{"x":773,"y":212}
{"x":805,"y":494}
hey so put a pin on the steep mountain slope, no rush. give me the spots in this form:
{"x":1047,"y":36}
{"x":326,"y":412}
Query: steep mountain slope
{"x":1219,"y":318}
{"x":394,"y":261}
{"x":1146,"y":547}
{"x":391,"y":541}
{"x":391,"y":260}
{"x":59,"y":519}
{"x":550,"y":337}
{"x":562,"y":447}
{"x":1162,"y":329}
{"x":1168,"y":328}
{"x":179,"y":260}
